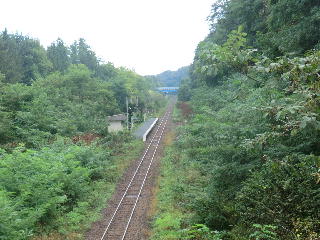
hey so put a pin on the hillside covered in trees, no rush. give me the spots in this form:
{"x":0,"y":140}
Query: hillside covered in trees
{"x":58,"y":163}
{"x":246,"y":165}
{"x":171,"y":78}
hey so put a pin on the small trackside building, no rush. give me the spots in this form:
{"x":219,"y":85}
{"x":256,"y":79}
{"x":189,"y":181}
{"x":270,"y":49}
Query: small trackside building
{"x":116,"y":122}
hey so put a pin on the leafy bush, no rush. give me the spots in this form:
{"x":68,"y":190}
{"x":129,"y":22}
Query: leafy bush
{"x":282,"y":193}
{"x":264,"y":232}
{"x":40,"y":186}
{"x":213,"y":62}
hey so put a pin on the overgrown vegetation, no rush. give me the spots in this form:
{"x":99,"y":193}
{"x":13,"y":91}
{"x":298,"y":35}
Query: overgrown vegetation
{"x":246,"y":165}
{"x":58,"y":163}
{"x":58,"y":189}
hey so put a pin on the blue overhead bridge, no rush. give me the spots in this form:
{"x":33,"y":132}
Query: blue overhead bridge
{"x":168,"y":90}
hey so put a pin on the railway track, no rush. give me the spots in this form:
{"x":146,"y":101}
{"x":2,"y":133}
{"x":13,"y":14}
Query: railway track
{"x":118,"y":227}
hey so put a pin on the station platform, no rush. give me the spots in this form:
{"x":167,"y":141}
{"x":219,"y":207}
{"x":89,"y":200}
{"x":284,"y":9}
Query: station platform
{"x":143,"y":131}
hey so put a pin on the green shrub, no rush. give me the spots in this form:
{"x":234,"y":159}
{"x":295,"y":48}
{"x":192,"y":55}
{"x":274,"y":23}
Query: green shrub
{"x":42,"y":185}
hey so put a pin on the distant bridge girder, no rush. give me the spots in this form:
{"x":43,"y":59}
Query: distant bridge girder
{"x":168,"y":89}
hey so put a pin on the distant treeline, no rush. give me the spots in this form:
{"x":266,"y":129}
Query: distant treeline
{"x":171,"y":78}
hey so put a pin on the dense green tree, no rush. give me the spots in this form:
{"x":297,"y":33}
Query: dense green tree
{"x":81,"y":53}
{"x":34,"y":60}
{"x":277,"y":27}
{"x":227,"y":15}
{"x":214,"y":62}
{"x":106,"y":71}
{"x":10,"y":61}
{"x":22,"y":59}
{"x":58,"y":54}
{"x":293,"y":26}
{"x":128,"y":84}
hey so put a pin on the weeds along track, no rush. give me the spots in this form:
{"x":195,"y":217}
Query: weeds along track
{"x":118,"y":227}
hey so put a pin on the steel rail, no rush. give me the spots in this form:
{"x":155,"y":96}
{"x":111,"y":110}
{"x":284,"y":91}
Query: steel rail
{"x":144,"y":180}
{"x":135,"y":173}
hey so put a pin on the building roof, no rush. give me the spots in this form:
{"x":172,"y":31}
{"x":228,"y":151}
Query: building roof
{"x":118,"y":117}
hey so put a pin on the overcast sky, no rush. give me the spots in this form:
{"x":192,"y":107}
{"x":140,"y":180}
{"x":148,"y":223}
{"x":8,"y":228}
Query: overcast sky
{"x":148,"y":36}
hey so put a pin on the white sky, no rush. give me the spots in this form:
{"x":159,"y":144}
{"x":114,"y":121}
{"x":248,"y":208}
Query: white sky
{"x":149,"y":36}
